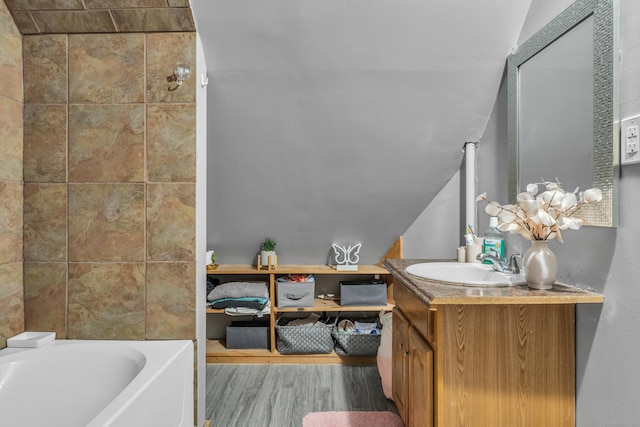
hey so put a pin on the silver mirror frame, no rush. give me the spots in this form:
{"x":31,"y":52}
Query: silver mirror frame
{"x":606,"y":126}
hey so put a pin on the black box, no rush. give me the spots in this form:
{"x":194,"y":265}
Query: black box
{"x":248,"y":334}
{"x":363,"y":293}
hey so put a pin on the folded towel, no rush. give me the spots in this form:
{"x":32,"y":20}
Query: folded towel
{"x":250,"y":302}
{"x":239,"y":290}
{"x":246,"y":311}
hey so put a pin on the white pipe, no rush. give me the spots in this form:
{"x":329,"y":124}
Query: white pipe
{"x":470,"y":184}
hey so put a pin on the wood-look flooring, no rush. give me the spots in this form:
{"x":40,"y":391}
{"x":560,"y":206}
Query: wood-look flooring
{"x":281,"y":395}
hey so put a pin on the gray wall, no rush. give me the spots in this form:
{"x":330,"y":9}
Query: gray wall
{"x":340,"y":122}
{"x":606,"y":260}
{"x":436,"y":234}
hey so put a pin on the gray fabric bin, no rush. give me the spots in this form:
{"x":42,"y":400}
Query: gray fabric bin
{"x":363,"y":293}
{"x":357,"y":344}
{"x":248,"y":334}
{"x":314,"y":339}
{"x":295,"y":294}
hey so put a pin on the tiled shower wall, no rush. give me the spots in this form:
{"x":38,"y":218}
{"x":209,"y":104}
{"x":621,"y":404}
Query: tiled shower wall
{"x":11,"y":291}
{"x":109,"y":186}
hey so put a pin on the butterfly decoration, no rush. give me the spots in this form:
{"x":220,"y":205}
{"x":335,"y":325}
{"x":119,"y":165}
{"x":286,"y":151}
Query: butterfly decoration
{"x":347,"y":255}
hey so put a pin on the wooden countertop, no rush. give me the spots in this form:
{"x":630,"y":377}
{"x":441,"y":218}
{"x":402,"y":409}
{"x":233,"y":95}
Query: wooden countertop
{"x":433,"y":292}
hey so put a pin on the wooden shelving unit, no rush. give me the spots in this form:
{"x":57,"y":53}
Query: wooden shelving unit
{"x":217,"y":351}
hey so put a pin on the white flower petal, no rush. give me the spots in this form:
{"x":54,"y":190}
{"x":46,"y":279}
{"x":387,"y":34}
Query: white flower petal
{"x":545,"y":197}
{"x":531,"y":207}
{"x":493,"y":208}
{"x":592,"y":195}
{"x":507,"y":216}
{"x":480,"y":197}
{"x":552,"y":197}
{"x":523,"y":197}
{"x":544,"y":218}
{"x":568,"y":201}
{"x":571,"y":223}
{"x":532,"y":189}
{"x":510,"y":227}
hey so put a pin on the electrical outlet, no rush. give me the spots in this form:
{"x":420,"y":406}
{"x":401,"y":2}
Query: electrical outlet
{"x":630,"y":140}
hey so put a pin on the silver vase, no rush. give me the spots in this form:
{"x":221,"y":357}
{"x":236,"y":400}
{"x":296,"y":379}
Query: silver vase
{"x":540,"y":265}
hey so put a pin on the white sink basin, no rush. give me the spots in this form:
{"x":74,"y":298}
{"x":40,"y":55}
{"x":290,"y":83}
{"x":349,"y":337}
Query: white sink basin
{"x":465,"y":274}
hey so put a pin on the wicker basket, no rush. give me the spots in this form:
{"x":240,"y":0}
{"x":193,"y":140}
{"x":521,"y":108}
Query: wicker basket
{"x":314,"y":339}
{"x":357,"y":344}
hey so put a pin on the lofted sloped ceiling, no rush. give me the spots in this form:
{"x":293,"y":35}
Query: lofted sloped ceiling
{"x":339,"y":121}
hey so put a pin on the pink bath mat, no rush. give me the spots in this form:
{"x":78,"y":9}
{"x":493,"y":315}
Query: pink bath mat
{"x":351,"y":419}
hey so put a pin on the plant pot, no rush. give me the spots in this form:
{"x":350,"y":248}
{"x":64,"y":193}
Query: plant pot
{"x":264,"y":258}
{"x":540,"y":265}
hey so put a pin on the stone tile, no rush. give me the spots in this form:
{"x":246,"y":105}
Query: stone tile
{"x":171,"y":143}
{"x":11,"y":301}
{"x":106,"y":68}
{"x":123,"y":4}
{"x":45,"y":222}
{"x":106,"y":222}
{"x":171,"y":219}
{"x":153,"y":19}
{"x":45,"y":69}
{"x":45,"y":143}
{"x":106,"y":143}
{"x":74,"y":21}
{"x":45,"y":297}
{"x":44,"y":4}
{"x":4,"y":9}
{"x":164,"y":52}
{"x":25,"y":23}
{"x":171,"y":307}
{"x":10,"y":222}
{"x":10,"y":59}
{"x":11,"y":137}
{"x":106,"y":301}
{"x":179,"y":3}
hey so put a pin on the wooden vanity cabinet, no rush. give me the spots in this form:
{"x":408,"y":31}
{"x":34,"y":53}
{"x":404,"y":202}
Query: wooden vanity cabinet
{"x":412,"y":361}
{"x":483,"y":364}
{"x":412,"y":373}
{"x":420,"y":410}
{"x":400,"y":363}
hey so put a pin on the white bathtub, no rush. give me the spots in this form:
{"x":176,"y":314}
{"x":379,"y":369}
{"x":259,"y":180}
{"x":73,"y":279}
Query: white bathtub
{"x":98,"y":383}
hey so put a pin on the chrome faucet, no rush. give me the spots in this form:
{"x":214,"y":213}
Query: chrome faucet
{"x":499,"y":264}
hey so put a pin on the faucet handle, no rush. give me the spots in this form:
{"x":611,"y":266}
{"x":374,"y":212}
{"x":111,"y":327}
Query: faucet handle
{"x":495,"y":253}
{"x":513,"y":263}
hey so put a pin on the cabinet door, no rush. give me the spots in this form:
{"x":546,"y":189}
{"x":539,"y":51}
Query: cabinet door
{"x":400,"y":363}
{"x":420,"y":405}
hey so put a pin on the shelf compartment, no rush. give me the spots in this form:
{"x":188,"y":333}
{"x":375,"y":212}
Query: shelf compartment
{"x":224,"y":269}
{"x":329,"y":305}
{"x":218,"y":353}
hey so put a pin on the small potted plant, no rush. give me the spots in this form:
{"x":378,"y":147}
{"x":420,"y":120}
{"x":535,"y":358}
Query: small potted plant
{"x":268,"y":249}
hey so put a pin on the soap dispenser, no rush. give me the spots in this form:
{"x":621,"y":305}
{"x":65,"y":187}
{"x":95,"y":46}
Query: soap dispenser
{"x":493,"y":240}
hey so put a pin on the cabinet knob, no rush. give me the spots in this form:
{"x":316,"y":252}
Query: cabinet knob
{"x":400,"y":345}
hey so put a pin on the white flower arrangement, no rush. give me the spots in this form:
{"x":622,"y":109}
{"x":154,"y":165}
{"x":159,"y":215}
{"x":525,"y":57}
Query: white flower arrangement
{"x":542,"y":216}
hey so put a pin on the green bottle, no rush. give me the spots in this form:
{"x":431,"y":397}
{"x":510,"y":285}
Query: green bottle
{"x":493,"y":240}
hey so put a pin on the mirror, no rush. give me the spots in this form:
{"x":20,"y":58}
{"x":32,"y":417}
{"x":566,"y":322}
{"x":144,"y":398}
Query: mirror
{"x":563,"y":107}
